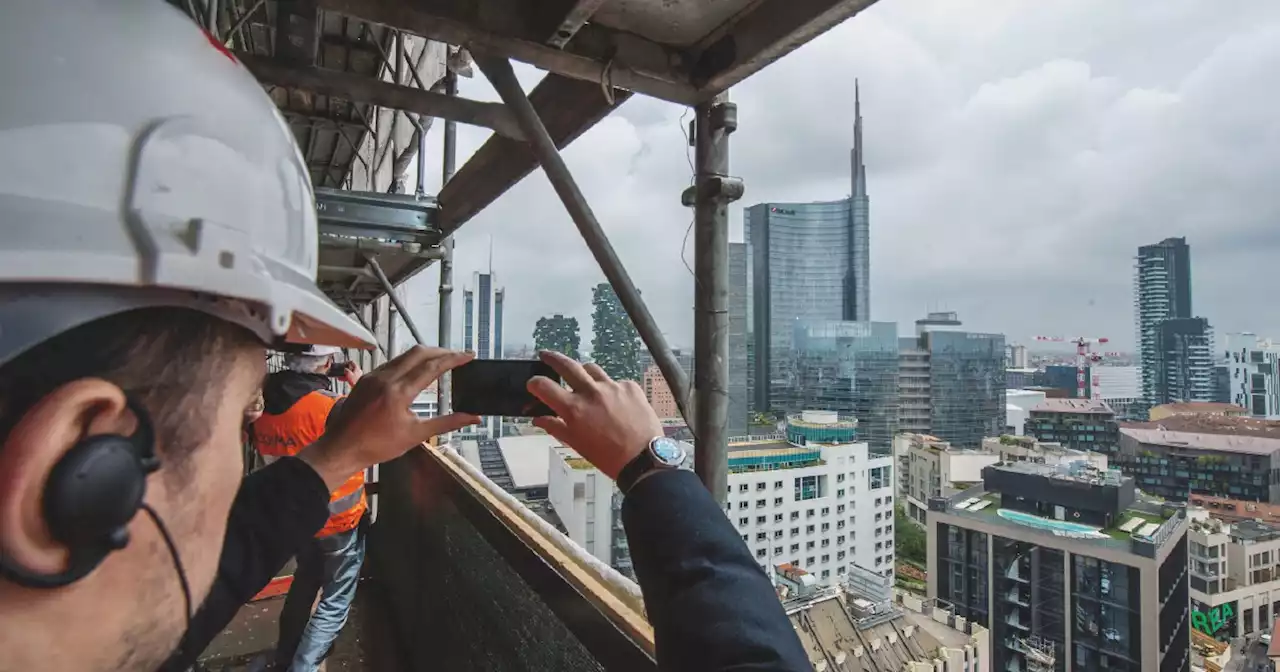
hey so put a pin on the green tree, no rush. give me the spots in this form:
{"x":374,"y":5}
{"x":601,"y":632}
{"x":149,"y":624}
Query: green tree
{"x":615,"y":343}
{"x":557,"y":333}
{"x":908,"y":538}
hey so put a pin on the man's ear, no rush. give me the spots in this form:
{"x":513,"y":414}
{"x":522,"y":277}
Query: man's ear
{"x":39,"y":439}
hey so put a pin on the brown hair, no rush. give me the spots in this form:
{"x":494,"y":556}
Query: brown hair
{"x":173,"y":360}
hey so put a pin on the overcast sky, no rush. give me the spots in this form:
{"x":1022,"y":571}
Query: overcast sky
{"x":1018,"y":153}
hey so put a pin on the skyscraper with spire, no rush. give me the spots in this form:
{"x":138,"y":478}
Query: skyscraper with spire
{"x":805,"y":261}
{"x":859,"y":278}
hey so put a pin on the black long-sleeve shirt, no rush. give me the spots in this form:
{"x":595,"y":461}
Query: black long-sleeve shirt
{"x":711,"y":606}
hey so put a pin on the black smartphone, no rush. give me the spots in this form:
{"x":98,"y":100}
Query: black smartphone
{"x":498,"y":387}
{"x":336,"y":370}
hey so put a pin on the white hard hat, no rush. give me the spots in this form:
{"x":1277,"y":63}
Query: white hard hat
{"x":145,"y":168}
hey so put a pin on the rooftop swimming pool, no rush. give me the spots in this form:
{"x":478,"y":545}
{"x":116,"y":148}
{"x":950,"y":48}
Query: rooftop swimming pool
{"x":1058,"y":527}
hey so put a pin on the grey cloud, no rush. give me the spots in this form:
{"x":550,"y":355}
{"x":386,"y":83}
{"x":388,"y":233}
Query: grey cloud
{"x":1018,"y":153}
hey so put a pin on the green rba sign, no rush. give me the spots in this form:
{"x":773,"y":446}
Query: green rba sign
{"x":1211,"y":621}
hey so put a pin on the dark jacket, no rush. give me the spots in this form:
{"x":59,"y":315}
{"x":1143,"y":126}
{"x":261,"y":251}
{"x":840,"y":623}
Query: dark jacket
{"x":711,"y":606}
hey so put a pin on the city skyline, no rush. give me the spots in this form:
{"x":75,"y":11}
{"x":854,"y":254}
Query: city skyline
{"x":1017,"y":160}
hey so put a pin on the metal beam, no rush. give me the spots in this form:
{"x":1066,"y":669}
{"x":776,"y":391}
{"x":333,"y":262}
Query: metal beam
{"x":444,"y":391}
{"x":361,"y":89}
{"x":503,"y":78}
{"x":297,"y":31}
{"x":637,"y":64}
{"x":579,"y":13}
{"x":567,"y":108}
{"x":714,"y":190}
{"x":774,"y":29}
{"x":395,"y":300}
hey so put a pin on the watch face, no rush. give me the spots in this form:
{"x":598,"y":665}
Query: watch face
{"x":668,"y":451}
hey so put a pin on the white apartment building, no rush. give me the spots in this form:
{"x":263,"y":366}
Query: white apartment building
{"x":814,"y":497}
{"x":583,"y":499}
{"x":1235,"y":575}
{"x":1253,"y":365}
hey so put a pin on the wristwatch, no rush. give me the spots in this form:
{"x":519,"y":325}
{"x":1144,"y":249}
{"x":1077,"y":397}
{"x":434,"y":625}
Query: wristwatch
{"x":662,"y":453}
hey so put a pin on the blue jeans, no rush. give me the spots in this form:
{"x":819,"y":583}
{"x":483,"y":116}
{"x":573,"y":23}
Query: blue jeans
{"x":329,"y":566}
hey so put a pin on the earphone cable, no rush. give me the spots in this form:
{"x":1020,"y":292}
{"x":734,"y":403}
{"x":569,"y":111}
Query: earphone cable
{"x":177,"y":561}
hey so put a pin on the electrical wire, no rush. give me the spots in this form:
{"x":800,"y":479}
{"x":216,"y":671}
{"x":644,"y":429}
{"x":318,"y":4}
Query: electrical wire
{"x":177,"y":561}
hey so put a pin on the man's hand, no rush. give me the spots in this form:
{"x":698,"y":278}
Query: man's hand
{"x":375,"y":424}
{"x":606,"y":421}
{"x":351,"y":373}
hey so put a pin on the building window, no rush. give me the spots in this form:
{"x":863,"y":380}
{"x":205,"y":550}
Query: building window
{"x":744,"y":487}
{"x":839,"y":478}
{"x":777,"y":550}
{"x":795,"y":531}
{"x":840,"y":540}
{"x":826,"y":543}
{"x":762,"y":485}
{"x":839,"y":555}
{"x":826,"y":573}
{"x":840,"y":492}
{"x":879,"y":501}
{"x":777,"y":501}
{"x":759,"y":552}
{"x":761,"y":536}
{"x":742,"y":504}
{"x":808,"y":529}
{"x":777,"y":517}
{"x":826,"y":526}
{"x":795,"y":548}
{"x":744,"y":537}
{"x":840,"y":509}
{"x":760,"y":503}
{"x":777,"y":485}
{"x":795,"y":515}
{"x":879,"y":545}
{"x":826,"y":558}
{"x":839,"y":524}
{"x":808,"y":487}
{"x":888,"y":500}
{"x":826,"y":510}
{"x":777,"y":534}
{"x":743,"y":522}
{"x":808,"y":513}
{"x":761,"y":520}
{"x":808,"y":562}
{"x":878,"y":477}
{"x":808,"y":546}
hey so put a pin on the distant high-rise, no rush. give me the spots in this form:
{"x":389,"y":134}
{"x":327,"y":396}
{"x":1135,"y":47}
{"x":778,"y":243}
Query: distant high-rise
{"x":739,"y":401}
{"x":482,"y":327}
{"x":805,"y":261}
{"x":951,"y":383}
{"x":1252,"y":374}
{"x":1176,"y":347}
{"x":1162,"y":290}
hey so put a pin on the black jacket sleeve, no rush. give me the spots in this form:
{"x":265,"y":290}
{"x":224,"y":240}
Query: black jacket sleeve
{"x":277,"y":509}
{"x":711,"y":605}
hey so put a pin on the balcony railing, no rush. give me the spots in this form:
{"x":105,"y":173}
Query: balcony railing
{"x":464,"y":577}
{"x":459,"y":575}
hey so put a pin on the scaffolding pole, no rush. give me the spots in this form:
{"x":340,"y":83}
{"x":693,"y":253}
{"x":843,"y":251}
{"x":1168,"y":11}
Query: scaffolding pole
{"x":395,"y":300}
{"x":713,"y":190}
{"x":444,"y":396}
{"x":498,"y":71}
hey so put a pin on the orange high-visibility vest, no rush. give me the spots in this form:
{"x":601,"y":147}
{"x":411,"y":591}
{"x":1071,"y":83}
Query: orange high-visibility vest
{"x":286,"y":434}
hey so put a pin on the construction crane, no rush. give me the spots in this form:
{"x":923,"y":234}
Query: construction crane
{"x":1084,"y":357}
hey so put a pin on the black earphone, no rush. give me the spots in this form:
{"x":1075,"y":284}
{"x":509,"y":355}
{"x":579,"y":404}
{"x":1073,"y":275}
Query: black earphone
{"x":92,"y":494}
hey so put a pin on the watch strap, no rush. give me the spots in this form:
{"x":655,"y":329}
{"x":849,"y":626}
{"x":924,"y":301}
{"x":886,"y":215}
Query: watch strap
{"x":637,"y":467}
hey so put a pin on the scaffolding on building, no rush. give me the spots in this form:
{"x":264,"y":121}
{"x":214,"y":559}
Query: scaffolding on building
{"x":1038,"y":651}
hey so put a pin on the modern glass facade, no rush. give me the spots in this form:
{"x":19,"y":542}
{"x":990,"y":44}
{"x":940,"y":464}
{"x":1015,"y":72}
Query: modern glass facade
{"x":482,"y":328}
{"x":1182,"y":361}
{"x":805,"y":261}
{"x":848,"y":367}
{"x":1161,"y":291}
{"x":739,"y":402}
{"x":963,"y":578}
{"x":1020,"y":610}
{"x":966,"y":384}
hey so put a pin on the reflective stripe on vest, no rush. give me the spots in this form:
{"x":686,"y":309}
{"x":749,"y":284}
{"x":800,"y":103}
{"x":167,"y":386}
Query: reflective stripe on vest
{"x":345,"y":502}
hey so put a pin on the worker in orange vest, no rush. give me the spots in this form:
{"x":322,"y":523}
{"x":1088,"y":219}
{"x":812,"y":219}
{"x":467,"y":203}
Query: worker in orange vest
{"x":296,"y":406}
